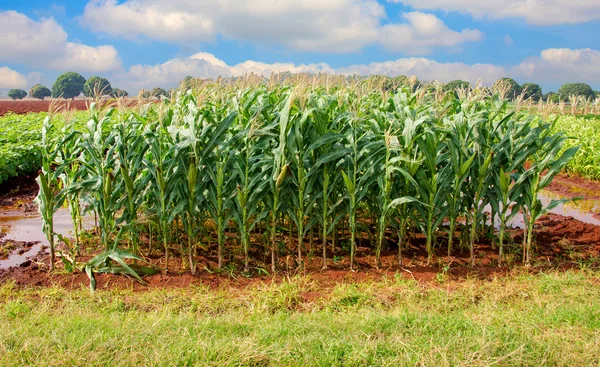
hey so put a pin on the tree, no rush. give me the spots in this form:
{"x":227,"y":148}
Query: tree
{"x":576,"y":89}
{"x":17,"y":94}
{"x":158,"y":92}
{"x":97,"y":86}
{"x":187,"y":83}
{"x":456,"y":85}
{"x":118,"y":93}
{"x":532,"y":91}
{"x":39,"y":91}
{"x":551,"y":97}
{"x":510,"y":86}
{"x":68,"y":85}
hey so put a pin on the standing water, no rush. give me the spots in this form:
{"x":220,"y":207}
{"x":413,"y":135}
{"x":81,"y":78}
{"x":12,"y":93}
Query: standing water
{"x":28,"y":228}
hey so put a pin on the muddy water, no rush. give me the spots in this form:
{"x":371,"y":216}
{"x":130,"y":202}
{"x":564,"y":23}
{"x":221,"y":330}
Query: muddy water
{"x":28,"y":228}
{"x":586,"y":211}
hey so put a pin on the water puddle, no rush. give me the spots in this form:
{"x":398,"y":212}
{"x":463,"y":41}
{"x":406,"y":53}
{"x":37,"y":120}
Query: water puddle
{"x":28,"y":228}
{"x":586,"y":211}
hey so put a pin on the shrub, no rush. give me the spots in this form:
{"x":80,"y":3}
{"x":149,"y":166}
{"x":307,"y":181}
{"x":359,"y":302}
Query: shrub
{"x":187,"y":83}
{"x":68,"y":85}
{"x":456,"y":85}
{"x":157,"y":92}
{"x":551,"y":97}
{"x":117,"y":93}
{"x":97,"y":86}
{"x":17,"y":94}
{"x":532,"y":91}
{"x":576,"y":89}
{"x":510,"y":86}
{"x":39,"y":91}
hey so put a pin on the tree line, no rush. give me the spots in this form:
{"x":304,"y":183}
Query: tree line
{"x":72,"y":84}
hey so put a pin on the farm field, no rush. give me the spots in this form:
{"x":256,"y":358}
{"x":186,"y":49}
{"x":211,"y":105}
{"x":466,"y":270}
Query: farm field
{"x":35,"y":106}
{"x":280,"y":226}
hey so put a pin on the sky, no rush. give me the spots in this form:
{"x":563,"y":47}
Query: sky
{"x":152,"y":43}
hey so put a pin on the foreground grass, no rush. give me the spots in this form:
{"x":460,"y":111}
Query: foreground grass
{"x":522,"y":320}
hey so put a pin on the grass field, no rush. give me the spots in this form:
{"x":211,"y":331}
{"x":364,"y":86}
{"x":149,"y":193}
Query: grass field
{"x":548,"y":319}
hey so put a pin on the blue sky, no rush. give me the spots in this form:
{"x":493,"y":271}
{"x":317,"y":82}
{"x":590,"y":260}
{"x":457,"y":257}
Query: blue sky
{"x":147,"y":43}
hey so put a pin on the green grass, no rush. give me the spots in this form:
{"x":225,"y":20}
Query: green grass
{"x":524,"y":320}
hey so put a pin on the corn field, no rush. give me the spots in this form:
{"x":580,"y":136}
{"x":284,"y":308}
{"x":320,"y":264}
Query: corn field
{"x":265,"y":172}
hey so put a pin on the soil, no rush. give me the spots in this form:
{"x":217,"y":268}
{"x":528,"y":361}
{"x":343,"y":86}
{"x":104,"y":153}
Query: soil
{"x":35,"y":105}
{"x":563,"y":242}
{"x":574,"y":186}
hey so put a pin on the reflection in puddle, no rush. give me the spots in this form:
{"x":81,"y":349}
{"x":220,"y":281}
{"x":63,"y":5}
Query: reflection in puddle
{"x":28,"y":228}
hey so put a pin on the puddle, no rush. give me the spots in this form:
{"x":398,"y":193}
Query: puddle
{"x":586,"y":211}
{"x":28,"y":228}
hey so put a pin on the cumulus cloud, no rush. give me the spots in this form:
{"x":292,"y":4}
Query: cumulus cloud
{"x":11,"y":79}
{"x":542,"y":12}
{"x":303,"y":25}
{"x":550,"y":67}
{"x":561,"y":65}
{"x":44,"y":43}
{"x":422,"y":33}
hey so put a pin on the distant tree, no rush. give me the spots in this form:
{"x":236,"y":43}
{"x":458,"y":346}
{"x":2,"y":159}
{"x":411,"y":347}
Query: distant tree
{"x":548,"y":96}
{"x":17,"y":94}
{"x":456,"y":85}
{"x":576,"y":89}
{"x":512,"y":88}
{"x":533,"y":91}
{"x":187,"y":83}
{"x":118,"y":93}
{"x":68,"y":85}
{"x":157,"y":92}
{"x":40,"y":92}
{"x":97,"y":86}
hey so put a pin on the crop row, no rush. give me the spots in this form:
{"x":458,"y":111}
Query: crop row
{"x":228,"y":161}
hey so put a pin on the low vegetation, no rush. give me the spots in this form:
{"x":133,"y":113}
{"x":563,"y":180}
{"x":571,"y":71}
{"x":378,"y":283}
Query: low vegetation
{"x":522,"y":320}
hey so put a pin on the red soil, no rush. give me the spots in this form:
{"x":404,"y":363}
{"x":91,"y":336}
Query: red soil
{"x":562,"y":242}
{"x":35,"y":105}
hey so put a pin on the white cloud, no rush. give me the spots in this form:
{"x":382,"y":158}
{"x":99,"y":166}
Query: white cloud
{"x":422,"y":33}
{"x":561,"y":65}
{"x":44,"y":43}
{"x":550,"y":67}
{"x":303,"y":25}
{"x":11,"y":79}
{"x":201,"y":65}
{"x":87,"y":58}
{"x":426,"y":69}
{"x":541,"y":12}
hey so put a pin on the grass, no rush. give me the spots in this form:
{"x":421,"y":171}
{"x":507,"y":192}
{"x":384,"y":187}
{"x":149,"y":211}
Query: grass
{"x":548,"y":319}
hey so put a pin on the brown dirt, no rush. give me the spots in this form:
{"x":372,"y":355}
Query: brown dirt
{"x":34,"y":105}
{"x":573,"y":186}
{"x":17,"y":194}
{"x":563,"y":242}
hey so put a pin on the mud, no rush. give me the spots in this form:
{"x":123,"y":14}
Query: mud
{"x":573,"y":186}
